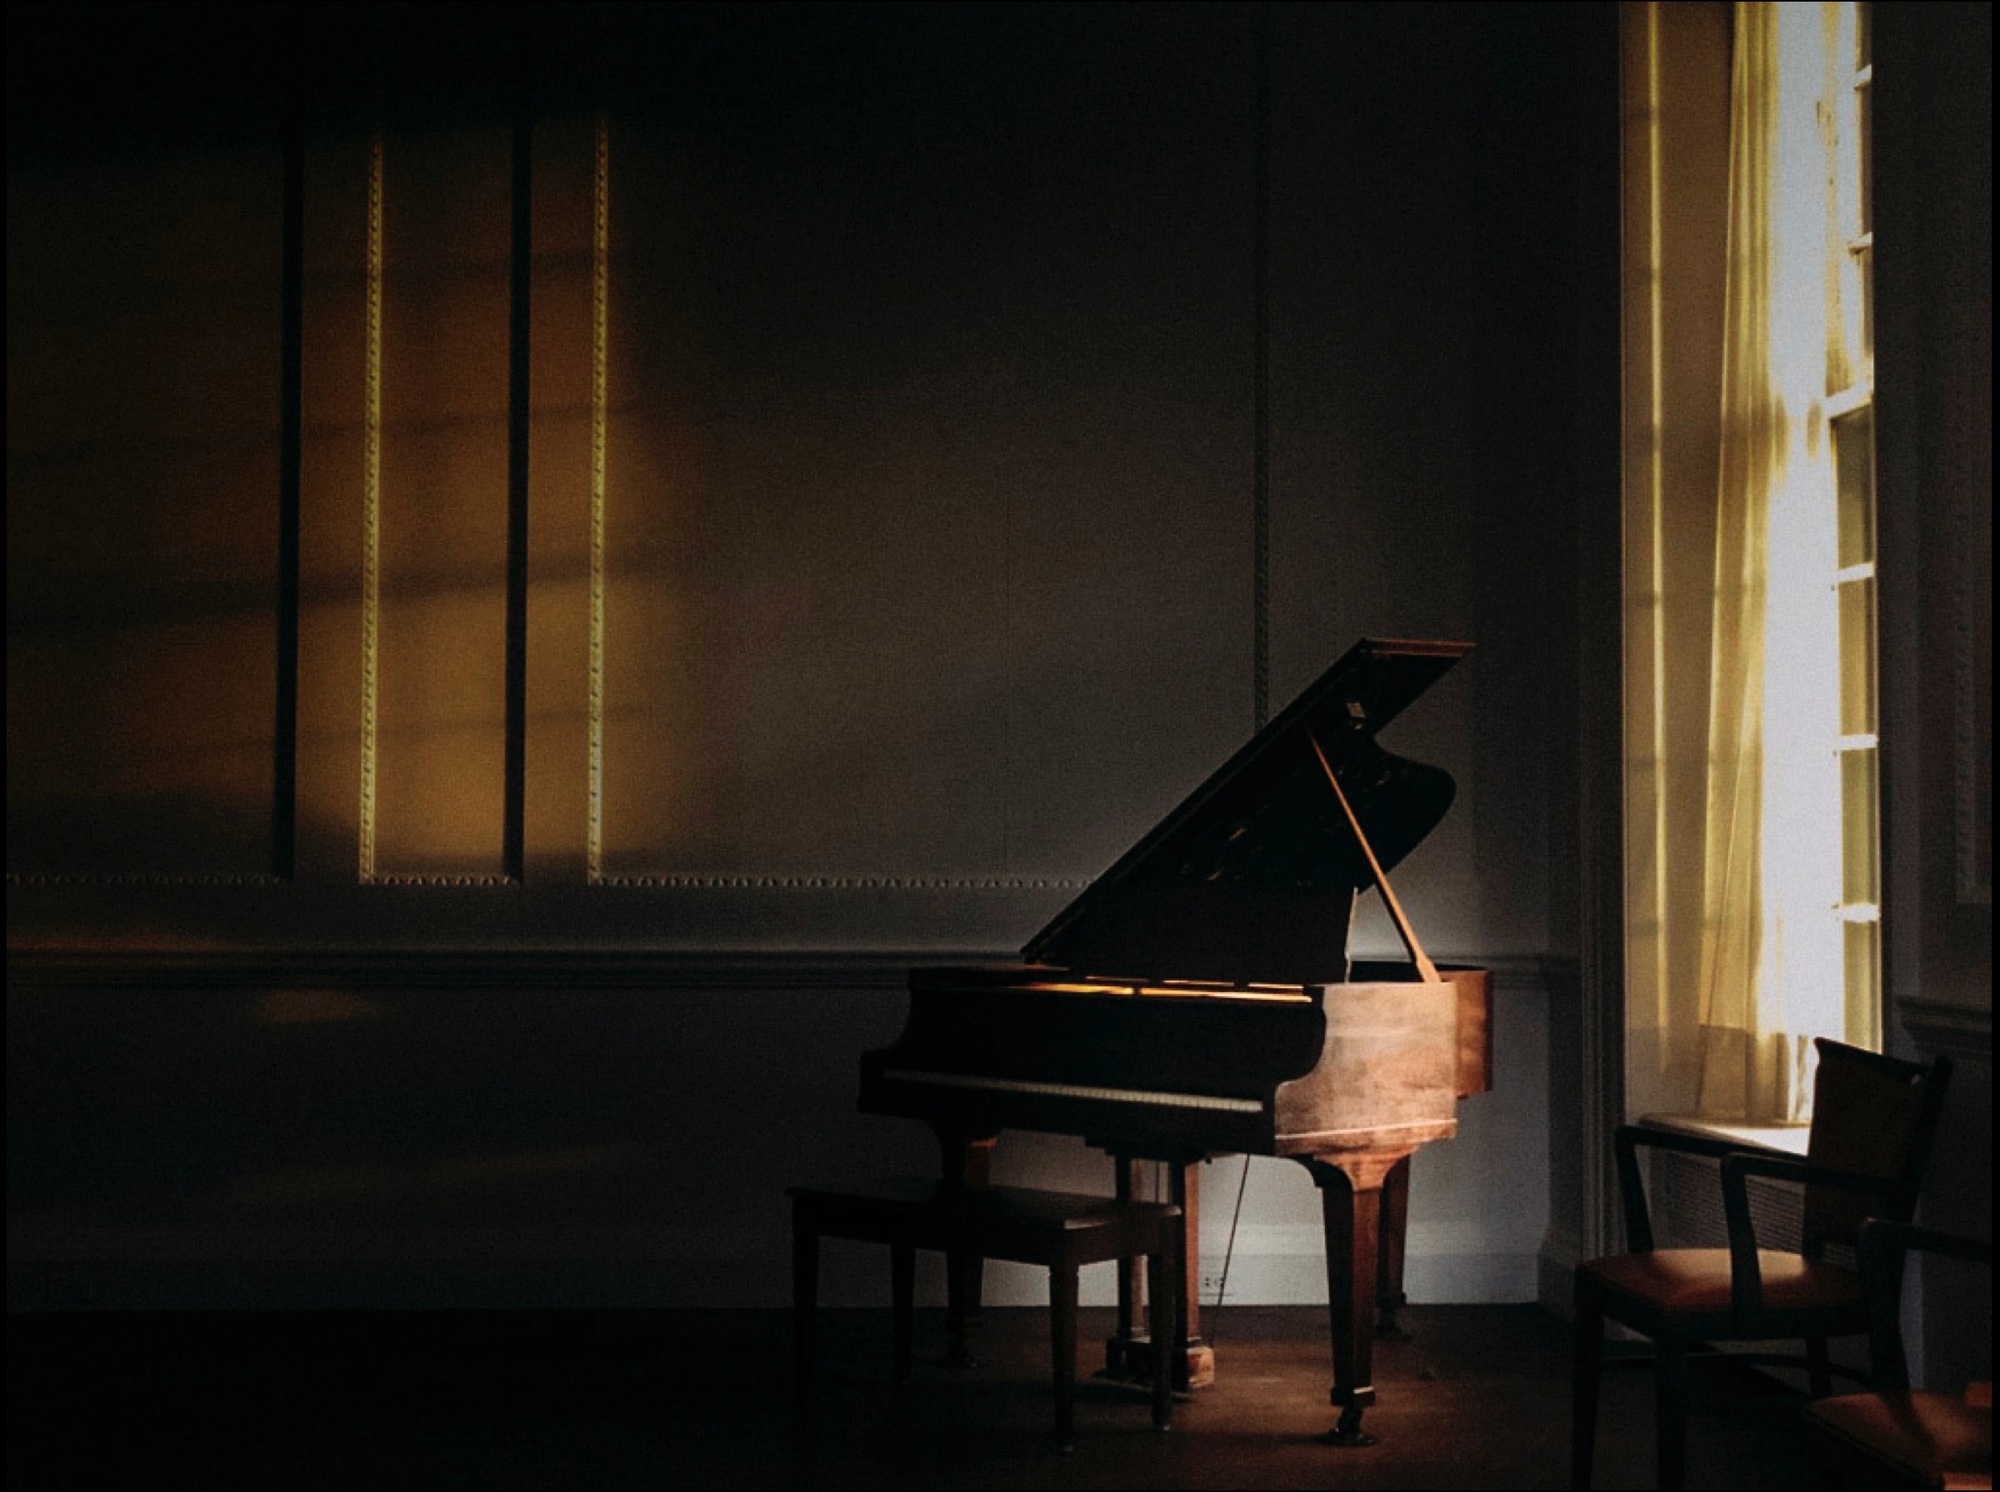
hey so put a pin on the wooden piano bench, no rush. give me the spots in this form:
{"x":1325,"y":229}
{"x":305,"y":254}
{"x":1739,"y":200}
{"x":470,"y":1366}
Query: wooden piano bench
{"x":1058,"y":1230}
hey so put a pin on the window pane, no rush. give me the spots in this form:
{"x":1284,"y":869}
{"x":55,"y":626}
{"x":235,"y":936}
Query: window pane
{"x":1863,"y":955}
{"x":1865,"y":106}
{"x":1864,"y":259}
{"x":1854,"y":475}
{"x":1857,"y":658}
{"x":1859,"y":881}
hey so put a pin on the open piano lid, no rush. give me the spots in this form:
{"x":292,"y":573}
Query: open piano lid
{"x":1251,"y":879}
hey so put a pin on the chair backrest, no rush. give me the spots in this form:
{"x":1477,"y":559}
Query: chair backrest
{"x":1874,"y":1115}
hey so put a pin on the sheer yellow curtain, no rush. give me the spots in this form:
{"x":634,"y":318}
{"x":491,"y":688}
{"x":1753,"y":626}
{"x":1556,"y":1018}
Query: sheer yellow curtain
{"x":1772,"y":953}
{"x":1675,"y":82}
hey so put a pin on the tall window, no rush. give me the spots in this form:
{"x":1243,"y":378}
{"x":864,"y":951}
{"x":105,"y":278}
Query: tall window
{"x":1851,"y":416}
{"x":1752,"y":800}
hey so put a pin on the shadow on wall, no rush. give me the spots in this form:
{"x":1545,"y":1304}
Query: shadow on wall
{"x":429,"y":1146}
{"x":118,"y":835}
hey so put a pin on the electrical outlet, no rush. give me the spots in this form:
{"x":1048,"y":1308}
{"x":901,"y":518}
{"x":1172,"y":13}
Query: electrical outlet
{"x":1211,"y":1283}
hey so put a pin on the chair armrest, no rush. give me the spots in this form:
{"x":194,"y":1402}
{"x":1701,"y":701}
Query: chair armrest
{"x":1805,"y":1172}
{"x":1881,"y":1247}
{"x":1632,"y":1192}
{"x":1746,"y":1279}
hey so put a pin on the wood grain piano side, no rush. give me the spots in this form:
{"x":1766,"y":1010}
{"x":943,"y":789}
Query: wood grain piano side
{"x":1474,"y":987}
{"x":1390,"y":1068}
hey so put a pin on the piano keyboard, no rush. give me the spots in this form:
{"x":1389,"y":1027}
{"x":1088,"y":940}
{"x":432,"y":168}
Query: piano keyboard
{"x":1206,"y":1101}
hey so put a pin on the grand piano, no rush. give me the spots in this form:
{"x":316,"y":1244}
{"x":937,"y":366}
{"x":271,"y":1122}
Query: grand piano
{"x":1199,"y":999}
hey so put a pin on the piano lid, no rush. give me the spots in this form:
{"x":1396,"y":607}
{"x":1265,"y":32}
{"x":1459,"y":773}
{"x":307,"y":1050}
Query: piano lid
{"x":1252,"y":877}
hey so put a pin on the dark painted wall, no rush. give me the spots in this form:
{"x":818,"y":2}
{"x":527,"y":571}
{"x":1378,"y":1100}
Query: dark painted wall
{"x":932,"y":579}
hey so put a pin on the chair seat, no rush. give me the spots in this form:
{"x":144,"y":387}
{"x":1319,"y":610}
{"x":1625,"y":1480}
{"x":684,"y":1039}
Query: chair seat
{"x":1935,"y":1439}
{"x":1696,"y":1281}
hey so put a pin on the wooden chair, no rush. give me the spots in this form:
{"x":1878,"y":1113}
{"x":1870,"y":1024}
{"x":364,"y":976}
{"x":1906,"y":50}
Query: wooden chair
{"x":1059,"y":1230}
{"x":1873,"y":1121}
{"x":1897,"y":1436}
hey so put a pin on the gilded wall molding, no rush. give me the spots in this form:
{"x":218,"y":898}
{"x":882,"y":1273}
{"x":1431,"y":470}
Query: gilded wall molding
{"x":600,"y":291}
{"x":371,"y":514}
{"x":846,"y":882}
{"x":442,"y":879}
{"x":147,"y":878}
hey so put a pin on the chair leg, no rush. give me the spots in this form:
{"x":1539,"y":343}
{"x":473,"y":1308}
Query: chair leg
{"x":1670,"y":1397}
{"x":1062,"y":1313}
{"x":902,"y":1290}
{"x":1586,"y":1367}
{"x":1819,"y":1367}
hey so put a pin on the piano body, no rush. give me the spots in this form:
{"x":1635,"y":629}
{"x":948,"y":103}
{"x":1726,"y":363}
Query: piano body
{"x":1198,"y":999}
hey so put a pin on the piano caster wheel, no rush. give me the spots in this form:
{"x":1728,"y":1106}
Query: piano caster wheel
{"x":1348,"y":1431}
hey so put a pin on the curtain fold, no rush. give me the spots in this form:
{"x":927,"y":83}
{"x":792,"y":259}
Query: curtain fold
{"x":1772,"y":956}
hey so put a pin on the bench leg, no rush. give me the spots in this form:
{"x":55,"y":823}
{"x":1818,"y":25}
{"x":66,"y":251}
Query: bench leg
{"x":1062,"y":1323}
{"x":961,"y":1271}
{"x":805,"y":1310}
{"x":902,"y":1288}
{"x":1160,"y":1295}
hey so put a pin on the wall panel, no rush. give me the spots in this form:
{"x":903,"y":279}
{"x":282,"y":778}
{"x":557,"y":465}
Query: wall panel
{"x":442,"y":498}
{"x":910,"y":469}
{"x":143,"y":457}
{"x":1421,"y":327}
{"x":925,"y":554}
{"x":918,"y":443}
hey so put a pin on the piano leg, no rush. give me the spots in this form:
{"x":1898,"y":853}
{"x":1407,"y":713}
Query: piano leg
{"x":1350,"y":1191}
{"x":1129,"y":1352}
{"x":1389,"y":1296}
{"x":1194,"y":1359}
{"x":1131,"y":1301}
